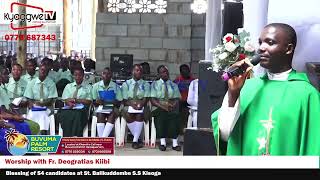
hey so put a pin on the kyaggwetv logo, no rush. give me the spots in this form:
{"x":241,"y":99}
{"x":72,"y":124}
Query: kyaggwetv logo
{"x":35,"y":19}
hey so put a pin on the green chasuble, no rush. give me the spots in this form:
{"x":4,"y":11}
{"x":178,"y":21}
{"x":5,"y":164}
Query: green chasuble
{"x":276,"y":118}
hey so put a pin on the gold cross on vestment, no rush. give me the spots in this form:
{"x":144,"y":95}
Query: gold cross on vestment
{"x":268,"y":125}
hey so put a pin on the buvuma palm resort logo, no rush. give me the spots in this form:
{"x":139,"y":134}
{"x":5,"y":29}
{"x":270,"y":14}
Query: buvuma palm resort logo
{"x":17,"y":144}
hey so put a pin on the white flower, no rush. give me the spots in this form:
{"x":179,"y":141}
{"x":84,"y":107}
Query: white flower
{"x":219,"y":48}
{"x":223,"y":56}
{"x":248,"y":46}
{"x":230,"y":46}
{"x":240,"y":30}
{"x":227,"y":36}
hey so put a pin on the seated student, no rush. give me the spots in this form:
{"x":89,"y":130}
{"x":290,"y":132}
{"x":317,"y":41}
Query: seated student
{"x":89,"y":72}
{"x":8,"y":63}
{"x":193,"y":101}
{"x":146,"y":74}
{"x":77,"y":93}
{"x":41,"y":92}
{"x":64,"y":72}
{"x":165,"y":97}
{"x":145,"y":68}
{"x":4,"y":96}
{"x":135,"y":92}
{"x":2,"y":61}
{"x":53,"y":75}
{"x":104,"y":129}
{"x":9,"y":119}
{"x":10,"y":122}
{"x":183,"y":81}
{"x":56,"y":65}
{"x":64,"y":76}
{"x":16,"y":87}
{"x":72,"y":64}
{"x":31,"y":72}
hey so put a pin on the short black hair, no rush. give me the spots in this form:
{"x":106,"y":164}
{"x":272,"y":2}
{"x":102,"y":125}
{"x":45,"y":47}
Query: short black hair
{"x":107,"y":69}
{"x":136,"y":65}
{"x":42,"y":64}
{"x":144,"y":64}
{"x":1,"y":61}
{"x":289,"y":31}
{"x":3,"y":69}
{"x":17,"y":64}
{"x":46,"y":61}
{"x":78,"y":69}
{"x":161,"y":66}
{"x":184,"y":66}
{"x":33,"y":61}
{"x":145,"y":67}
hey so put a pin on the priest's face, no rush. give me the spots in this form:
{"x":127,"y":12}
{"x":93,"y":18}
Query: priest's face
{"x":273,"y":47}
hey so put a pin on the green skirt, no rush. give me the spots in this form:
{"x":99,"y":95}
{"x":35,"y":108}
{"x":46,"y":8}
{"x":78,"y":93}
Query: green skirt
{"x":167,"y":123}
{"x":73,"y":121}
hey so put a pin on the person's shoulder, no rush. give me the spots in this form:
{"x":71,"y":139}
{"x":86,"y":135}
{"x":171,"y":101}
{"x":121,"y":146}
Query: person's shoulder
{"x":114,"y":85}
{"x":173,"y":84}
{"x":178,"y":78}
{"x":23,"y":81}
{"x":127,"y":82}
{"x":73,"y":84}
{"x":87,"y":86}
{"x":194,"y":81}
{"x":49,"y":81}
{"x":145,"y":83}
{"x":155,"y":82}
{"x":300,"y":81}
{"x":32,"y":82}
{"x":96,"y":84}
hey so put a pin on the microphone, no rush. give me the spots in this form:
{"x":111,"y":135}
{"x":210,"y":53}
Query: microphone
{"x":236,"y":71}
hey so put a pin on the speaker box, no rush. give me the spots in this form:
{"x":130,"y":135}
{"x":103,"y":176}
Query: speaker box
{"x":121,"y":64}
{"x":211,"y":92}
{"x":232,"y":17}
{"x":199,"y":142}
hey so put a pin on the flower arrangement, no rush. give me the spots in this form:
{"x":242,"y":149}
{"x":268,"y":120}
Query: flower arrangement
{"x":234,"y":48}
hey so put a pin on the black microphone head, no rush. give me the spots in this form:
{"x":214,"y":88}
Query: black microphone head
{"x":255,"y":59}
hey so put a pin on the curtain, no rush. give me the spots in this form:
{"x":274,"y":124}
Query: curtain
{"x":255,"y":14}
{"x":304,"y":17}
{"x":213,"y":26}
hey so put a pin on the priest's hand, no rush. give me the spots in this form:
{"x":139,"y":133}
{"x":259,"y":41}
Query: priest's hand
{"x":236,"y":83}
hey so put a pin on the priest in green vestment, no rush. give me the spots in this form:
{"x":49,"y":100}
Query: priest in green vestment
{"x":277,"y":114}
